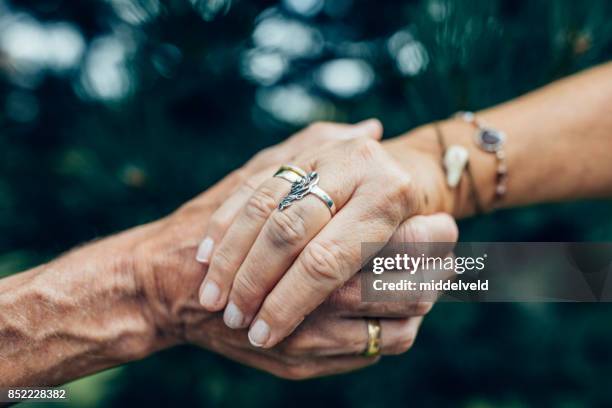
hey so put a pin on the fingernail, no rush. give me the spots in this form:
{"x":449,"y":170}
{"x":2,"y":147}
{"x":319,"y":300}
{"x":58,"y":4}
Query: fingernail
{"x":233,"y":317}
{"x":209,"y":295}
{"x":259,"y":333}
{"x":205,"y":250}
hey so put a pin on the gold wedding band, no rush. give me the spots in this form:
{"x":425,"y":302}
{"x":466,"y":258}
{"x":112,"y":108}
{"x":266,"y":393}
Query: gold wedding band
{"x":294,"y":174}
{"x":290,"y":168}
{"x":374,"y":346}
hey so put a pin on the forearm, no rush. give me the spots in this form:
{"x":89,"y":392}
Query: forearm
{"x":107,"y":303}
{"x":76,"y":315}
{"x":558,"y":147}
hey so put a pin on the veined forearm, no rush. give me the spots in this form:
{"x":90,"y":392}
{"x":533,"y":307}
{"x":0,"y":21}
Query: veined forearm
{"x":110,"y":302}
{"x":76,"y":315}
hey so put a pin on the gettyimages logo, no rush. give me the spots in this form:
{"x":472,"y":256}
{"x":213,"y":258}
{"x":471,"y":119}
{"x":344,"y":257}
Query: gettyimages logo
{"x":487,"y":272}
{"x":405,"y":262}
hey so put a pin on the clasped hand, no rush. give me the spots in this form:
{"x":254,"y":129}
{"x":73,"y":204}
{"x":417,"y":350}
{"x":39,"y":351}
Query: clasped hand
{"x":288,"y":276}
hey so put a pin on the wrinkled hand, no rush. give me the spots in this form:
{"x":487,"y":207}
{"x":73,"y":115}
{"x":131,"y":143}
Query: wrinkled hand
{"x":271,"y":268}
{"x":330,"y":339}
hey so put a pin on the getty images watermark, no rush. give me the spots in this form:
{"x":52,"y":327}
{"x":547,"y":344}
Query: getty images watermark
{"x":487,"y":272}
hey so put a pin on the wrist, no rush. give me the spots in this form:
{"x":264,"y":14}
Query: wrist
{"x":120,"y":288}
{"x":169,"y":278}
{"x":419,"y":153}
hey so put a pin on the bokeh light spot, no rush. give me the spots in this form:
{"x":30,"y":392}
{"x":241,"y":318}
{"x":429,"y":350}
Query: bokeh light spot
{"x":345,"y":77}
{"x":105,"y":75}
{"x":291,"y":37}
{"x":264,"y":67}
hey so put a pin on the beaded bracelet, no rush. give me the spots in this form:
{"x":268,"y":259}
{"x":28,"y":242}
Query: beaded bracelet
{"x":490,"y":140}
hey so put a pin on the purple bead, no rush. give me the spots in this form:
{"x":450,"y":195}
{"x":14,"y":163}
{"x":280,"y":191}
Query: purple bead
{"x":490,"y":139}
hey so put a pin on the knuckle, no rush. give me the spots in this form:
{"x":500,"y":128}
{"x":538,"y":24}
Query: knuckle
{"x":296,"y":345}
{"x":249,"y":185}
{"x":278,"y":313}
{"x":322,"y":262}
{"x":346,"y":299}
{"x":287,"y":228}
{"x":421,"y":308}
{"x":265,"y":157}
{"x":415,"y":231}
{"x":246,"y":291}
{"x":365,"y":148}
{"x":406,"y":344}
{"x":262,"y":155}
{"x":218,"y":223}
{"x":319,"y":126}
{"x":401,"y":189}
{"x":404,"y":185}
{"x":261,"y":203}
{"x":242,"y":174}
{"x":396,"y":200}
{"x":298,"y":372}
{"x":221,"y":263}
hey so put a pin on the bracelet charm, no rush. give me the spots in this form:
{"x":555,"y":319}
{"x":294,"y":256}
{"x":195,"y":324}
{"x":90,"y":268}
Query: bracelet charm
{"x":490,"y":140}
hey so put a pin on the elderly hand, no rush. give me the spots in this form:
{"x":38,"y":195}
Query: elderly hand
{"x":271,"y":268}
{"x":331,"y":339}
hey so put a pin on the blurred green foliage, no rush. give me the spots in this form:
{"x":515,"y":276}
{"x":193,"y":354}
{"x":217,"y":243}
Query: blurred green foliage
{"x":113,"y":113}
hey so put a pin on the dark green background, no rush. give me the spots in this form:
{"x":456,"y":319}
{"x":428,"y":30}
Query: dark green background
{"x":75,"y":166}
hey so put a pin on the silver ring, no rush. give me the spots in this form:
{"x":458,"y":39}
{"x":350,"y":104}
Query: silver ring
{"x":301,"y":186}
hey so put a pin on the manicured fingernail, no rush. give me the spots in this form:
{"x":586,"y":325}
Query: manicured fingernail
{"x":209,"y":295}
{"x":205,"y":250}
{"x":259,"y":333}
{"x":233,"y":316}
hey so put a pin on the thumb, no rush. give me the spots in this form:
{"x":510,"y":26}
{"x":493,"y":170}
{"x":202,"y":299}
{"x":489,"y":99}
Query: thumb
{"x":434,"y":234}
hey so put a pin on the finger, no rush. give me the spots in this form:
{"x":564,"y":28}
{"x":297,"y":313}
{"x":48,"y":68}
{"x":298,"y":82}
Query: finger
{"x":295,"y":368}
{"x":226,"y":213}
{"x":346,"y":302}
{"x":237,"y":241}
{"x":437,"y":228}
{"x":283,"y":236}
{"x":315,"y":134}
{"x":324,"y":265}
{"x":281,"y":239}
{"x":308,"y":368}
{"x":334,"y":336}
{"x":240,"y":236}
{"x":326,"y":366}
{"x":277,"y":361}
{"x":268,"y":254}
{"x":401,"y":334}
{"x":320,"y":132}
